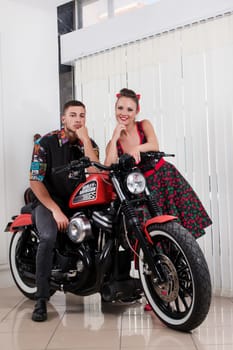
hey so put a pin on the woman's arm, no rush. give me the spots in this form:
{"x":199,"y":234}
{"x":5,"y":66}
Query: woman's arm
{"x":111,"y":153}
{"x":111,"y":149}
{"x":152,"y":143}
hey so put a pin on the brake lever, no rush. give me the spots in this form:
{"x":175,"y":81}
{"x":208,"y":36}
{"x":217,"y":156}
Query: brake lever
{"x":83,"y":162}
{"x":155,"y":155}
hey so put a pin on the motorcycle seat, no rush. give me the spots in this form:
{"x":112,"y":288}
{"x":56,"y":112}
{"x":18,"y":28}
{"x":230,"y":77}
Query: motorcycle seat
{"x":26,"y":209}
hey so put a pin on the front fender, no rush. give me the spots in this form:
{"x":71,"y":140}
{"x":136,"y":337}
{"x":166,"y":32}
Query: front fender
{"x":161,"y":219}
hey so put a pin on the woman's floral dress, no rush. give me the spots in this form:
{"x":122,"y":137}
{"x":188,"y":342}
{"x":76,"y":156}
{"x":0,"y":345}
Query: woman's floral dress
{"x":173,"y":193}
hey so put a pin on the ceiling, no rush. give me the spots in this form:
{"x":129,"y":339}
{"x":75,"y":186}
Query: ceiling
{"x":38,"y":3}
{"x":58,"y":2}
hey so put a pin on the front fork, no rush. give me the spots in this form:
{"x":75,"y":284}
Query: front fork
{"x":154,"y":264}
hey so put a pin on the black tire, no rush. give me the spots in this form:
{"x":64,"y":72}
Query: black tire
{"x":183,"y":302}
{"x":22,"y":258}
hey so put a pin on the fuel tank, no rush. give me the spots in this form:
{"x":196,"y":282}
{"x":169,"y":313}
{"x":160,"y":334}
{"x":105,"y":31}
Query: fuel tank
{"x":96,"y":190}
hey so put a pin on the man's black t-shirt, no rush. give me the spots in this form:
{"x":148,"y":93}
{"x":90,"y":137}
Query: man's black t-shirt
{"x":51,"y":151}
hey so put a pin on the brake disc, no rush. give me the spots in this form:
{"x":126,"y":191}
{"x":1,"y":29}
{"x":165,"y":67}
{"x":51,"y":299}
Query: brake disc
{"x":168,"y":290}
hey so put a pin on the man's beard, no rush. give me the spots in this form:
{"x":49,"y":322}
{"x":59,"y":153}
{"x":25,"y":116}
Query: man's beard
{"x":71,"y":134}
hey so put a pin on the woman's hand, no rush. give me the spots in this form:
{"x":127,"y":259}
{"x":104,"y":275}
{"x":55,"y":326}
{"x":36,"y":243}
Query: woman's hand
{"x":136,"y":154}
{"x":117,"y":131}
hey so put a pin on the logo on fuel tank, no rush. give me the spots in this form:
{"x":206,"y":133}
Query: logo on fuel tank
{"x":86,"y":193}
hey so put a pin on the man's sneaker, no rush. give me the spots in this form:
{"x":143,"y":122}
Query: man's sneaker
{"x":40,"y":311}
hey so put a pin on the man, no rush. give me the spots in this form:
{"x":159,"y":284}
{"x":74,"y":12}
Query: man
{"x":52,"y":190}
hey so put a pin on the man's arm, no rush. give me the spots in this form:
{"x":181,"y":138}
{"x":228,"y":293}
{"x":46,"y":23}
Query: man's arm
{"x":89,"y":150}
{"x":37,"y":174}
{"x":44,"y":197}
{"x":82,"y":134}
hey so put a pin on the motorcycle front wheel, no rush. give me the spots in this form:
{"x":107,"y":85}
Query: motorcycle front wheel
{"x":22,"y":258}
{"x":182,"y":301}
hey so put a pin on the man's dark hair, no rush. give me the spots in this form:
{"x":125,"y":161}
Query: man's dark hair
{"x":73,"y":103}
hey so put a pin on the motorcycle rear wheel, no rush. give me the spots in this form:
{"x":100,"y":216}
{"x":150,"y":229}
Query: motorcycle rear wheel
{"x":22,"y":258}
{"x":183,"y":301}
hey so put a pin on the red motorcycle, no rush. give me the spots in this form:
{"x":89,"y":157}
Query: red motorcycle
{"x":103,"y":236}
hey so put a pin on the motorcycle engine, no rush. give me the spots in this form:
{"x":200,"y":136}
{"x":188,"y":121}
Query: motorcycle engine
{"x":103,"y":219}
{"x":72,"y":267}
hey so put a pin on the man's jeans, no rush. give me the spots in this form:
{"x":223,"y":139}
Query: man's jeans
{"x":47,"y":228}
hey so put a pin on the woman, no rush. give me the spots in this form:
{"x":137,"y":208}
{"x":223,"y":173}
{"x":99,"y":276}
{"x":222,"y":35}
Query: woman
{"x":174,"y":194}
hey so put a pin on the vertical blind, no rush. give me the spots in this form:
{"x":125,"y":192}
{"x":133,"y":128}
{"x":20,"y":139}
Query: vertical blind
{"x":185,"y":78}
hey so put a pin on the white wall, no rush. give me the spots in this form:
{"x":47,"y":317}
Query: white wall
{"x":29,"y":96}
{"x":141,"y":23}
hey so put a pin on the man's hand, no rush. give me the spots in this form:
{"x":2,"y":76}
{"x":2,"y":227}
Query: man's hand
{"x":82,"y":133}
{"x":61,"y":220}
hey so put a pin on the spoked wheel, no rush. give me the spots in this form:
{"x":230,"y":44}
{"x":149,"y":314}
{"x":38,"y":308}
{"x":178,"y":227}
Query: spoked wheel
{"x":183,"y":299}
{"x":22,"y":257}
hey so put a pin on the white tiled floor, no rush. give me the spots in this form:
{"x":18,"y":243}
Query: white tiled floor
{"x":83,"y":323}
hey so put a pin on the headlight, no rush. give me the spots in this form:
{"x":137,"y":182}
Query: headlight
{"x":136,"y":182}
